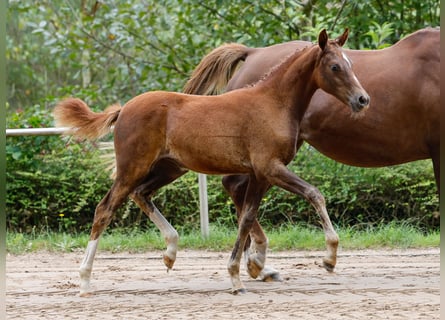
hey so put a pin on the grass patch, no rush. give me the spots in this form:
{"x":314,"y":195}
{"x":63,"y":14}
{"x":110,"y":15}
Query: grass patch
{"x":392,"y":235}
{"x":221,"y":238}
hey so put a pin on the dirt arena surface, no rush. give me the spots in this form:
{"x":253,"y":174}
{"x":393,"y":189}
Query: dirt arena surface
{"x":367,"y":284}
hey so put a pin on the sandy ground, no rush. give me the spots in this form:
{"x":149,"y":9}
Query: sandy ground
{"x":367,"y":284}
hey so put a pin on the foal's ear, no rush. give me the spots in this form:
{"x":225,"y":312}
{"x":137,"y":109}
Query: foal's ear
{"x":322,"y":39}
{"x":342,"y":39}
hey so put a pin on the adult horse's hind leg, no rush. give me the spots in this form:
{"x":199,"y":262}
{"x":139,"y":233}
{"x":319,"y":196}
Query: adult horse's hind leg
{"x":162,"y":173}
{"x":102,"y":217}
{"x":281,"y":176}
{"x":435,"y":157}
{"x":254,"y":251}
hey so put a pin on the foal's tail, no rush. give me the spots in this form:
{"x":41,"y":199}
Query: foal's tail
{"x":84,"y":123}
{"x":214,"y":71}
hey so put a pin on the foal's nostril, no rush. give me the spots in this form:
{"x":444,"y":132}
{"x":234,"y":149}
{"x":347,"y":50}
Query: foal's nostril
{"x":363,"y":100}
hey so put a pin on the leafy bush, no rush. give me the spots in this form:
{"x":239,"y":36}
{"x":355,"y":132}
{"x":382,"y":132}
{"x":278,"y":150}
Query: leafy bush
{"x":50,"y":182}
{"x":359,"y":196}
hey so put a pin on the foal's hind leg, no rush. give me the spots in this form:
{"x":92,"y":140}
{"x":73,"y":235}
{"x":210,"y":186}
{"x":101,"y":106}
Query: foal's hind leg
{"x":254,"y":251}
{"x":160,"y":175}
{"x":130,"y":171}
{"x":281,"y":176}
{"x":102,"y":217}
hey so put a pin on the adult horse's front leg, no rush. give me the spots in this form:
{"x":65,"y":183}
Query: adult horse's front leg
{"x":435,"y":157}
{"x":254,"y":251}
{"x":254,"y":193}
{"x":282,"y":177}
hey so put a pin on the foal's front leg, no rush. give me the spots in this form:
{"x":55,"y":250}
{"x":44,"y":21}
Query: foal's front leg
{"x":255,"y":256}
{"x":255,"y":192}
{"x":282,"y":177}
{"x":254,"y":251}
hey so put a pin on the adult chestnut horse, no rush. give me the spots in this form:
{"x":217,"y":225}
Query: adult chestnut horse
{"x":159,"y":135}
{"x":402,"y":124}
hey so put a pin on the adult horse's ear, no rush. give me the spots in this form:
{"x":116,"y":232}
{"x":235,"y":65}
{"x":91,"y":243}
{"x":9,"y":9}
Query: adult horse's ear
{"x":322,"y":39}
{"x":342,"y":39}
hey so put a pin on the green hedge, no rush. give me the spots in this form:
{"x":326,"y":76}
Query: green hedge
{"x":55,"y":183}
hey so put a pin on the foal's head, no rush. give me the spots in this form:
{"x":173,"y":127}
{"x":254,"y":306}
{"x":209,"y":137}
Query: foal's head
{"x":334,"y":73}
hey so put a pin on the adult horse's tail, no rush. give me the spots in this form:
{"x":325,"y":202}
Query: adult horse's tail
{"x":84,"y":123}
{"x":214,"y":71}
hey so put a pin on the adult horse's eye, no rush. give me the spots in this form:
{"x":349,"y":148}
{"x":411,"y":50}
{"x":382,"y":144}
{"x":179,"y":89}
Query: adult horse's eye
{"x":335,"y":67}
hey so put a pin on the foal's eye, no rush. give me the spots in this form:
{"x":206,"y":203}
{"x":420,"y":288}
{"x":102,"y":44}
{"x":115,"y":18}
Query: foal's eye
{"x":335,"y":67}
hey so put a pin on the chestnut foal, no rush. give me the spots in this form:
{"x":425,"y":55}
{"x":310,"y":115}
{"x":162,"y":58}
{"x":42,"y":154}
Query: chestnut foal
{"x":159,"y":135}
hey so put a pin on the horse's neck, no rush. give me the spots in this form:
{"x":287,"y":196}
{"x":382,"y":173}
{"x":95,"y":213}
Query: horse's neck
{"x":292,"y":83}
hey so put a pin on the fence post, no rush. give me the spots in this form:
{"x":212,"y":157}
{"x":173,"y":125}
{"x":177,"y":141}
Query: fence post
{"x":203,"y":204}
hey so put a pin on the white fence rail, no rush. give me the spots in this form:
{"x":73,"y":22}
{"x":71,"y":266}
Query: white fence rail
{"x":202,"y":178}
{"x":35,"y":132}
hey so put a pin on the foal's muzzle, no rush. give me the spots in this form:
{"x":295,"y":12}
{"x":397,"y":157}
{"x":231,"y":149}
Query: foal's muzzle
{"x":360,"y":102}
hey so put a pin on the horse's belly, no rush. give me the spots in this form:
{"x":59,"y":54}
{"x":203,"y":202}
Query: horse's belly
{"x":366,"y":152}
{"x":392,"y":131}
{"x":211,"y":155}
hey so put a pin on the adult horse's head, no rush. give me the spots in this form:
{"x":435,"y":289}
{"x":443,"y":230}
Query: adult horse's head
{"x":334,"y":73}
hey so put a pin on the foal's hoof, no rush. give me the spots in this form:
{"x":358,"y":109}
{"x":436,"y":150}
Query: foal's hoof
{"x":328,"y":266}
{"x":168,"y":262}
{"x":253,"y":269}
{"x":239,"y":291}
{"x":85,"y":294}
{"x":269,"y":274}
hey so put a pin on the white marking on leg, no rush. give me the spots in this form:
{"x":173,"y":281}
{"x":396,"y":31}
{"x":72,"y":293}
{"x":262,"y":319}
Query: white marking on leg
{"x":170,"y":235}
{"x":332,"y":239}
{"x":233,"y":267}
{"x":86,"y":267}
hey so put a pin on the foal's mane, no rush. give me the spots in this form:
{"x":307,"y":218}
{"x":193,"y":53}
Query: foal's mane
{"x":286,"y":60}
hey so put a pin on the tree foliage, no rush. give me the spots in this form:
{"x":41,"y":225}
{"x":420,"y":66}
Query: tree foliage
{"x":109,"y":51}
